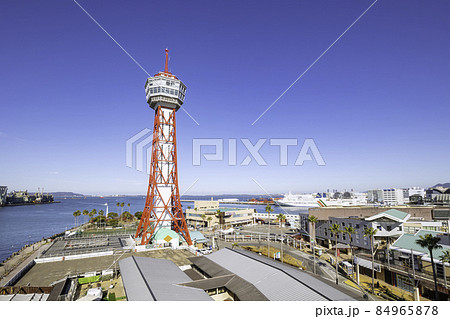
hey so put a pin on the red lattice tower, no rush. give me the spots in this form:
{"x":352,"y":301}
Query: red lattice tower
{"x":165,"y":94}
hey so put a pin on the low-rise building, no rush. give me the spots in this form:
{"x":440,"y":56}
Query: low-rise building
{"x":412,"y":226}
{"x":389,"y":226}
{"x":408,"y":259}
{"x":206,"y":213}
{"x":294,"y":220}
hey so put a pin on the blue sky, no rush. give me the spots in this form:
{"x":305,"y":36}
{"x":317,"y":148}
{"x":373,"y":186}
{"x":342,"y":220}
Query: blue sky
{"x":376,"y":104}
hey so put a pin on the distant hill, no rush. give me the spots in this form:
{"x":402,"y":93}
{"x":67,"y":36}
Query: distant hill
{"x":66,"y":194}
{"x":446,"y":185}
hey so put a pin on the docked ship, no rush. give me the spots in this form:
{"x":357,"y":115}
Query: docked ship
{"x":323,"y":199}
{"x":24,"y":198}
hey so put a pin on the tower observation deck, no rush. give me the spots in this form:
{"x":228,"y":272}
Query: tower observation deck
{"x":165,"y":94}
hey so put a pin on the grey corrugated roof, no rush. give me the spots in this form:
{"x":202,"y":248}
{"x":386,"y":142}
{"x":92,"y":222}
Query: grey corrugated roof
{"x":241,"y":288}
{"x":194,"y":275}
{"x":275,"y":280}
{"x":244,"y":290}
{"x":209,"y":283}
{"x":156,"y":279}
{"x":208,"y":266}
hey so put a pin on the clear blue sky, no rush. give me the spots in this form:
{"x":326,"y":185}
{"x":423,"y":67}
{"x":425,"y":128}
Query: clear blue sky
{"x":376,"y":104}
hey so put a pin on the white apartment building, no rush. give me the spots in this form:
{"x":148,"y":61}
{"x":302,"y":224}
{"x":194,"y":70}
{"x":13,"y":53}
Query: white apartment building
{"x":394,"y":196}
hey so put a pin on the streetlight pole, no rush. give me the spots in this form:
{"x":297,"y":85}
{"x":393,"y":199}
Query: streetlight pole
{"x":268,"y":239}
{"x":281,"y":235}
{"x":314,"y":255}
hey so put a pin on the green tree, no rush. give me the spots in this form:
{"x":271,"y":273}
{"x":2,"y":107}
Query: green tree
{"x":268,"y":210}
{"x":91,"y":214}
{"x":101,"y":213}
{"x":371,"y":232}
{"x":112,"y":215}
{"x":221,"y":216}
{"x":312,"y":233}
{"x":431,"y":243}
{"x":336,"y":229}
{"x":121,"y":205}
{"x":85,"y":214}
{"x":209,"y":221}
{"x":126,"y":216}
{"x":76,"y":214}
{"x":203,"y":216}
{"x":138,"y":215}
{"x":281,"y":217}
{"x":349,"y":230}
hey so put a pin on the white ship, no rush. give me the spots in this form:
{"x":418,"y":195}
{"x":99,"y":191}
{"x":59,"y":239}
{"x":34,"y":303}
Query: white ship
{"x":323,"y":199}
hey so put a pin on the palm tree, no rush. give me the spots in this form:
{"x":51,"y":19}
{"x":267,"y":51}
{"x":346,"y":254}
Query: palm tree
{"x":85,"y":213}
{"x":269,"y":210}
{"x":118,"y":205}
{"x":431,"y":243}
{"x":121,"y":205}
{"x":370,"y":232}
{"x":312,"y":236}
{"x":91,"y":214}
{"x":209,"y":221}
{"x":349,"y":230}
{"x":129,"y":207}
{"x":280,"y":218}
{"x":76,"y":214}
{"x":336,"y":229}
{"x":221,"y":216}
{"x":203,"y":216}
{"x":312,"y":233}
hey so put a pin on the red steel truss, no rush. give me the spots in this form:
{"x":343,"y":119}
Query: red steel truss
{"x":157,"y":210}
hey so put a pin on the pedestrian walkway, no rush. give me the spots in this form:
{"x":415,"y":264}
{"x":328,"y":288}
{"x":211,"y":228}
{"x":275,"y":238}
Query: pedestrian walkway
{"x":18,"y":262}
